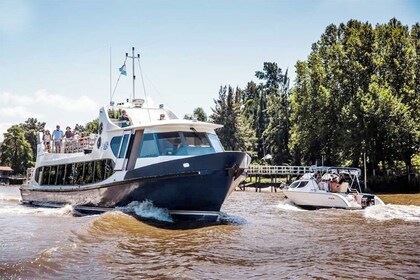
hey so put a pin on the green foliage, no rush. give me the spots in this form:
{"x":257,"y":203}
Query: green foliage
{"x":15,"y":150}
{"x":357,"y":93}
{"x":92,"y":127}
{"x":235,"y":133}
{"x":32,"y":127}
{"x":197,"y":114}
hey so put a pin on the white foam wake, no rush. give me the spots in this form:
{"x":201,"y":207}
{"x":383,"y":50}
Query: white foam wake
{"x":146,"y":209}
{"x":287,"y":205}
{"x":409,"y":213}
{"x":17,"y":209}
{"x":4,"y":197}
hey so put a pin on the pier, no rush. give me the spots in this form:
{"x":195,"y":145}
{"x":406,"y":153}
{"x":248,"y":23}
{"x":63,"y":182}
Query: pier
{"x":273,"y":177}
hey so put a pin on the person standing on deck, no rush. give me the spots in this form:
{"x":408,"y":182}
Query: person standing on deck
{"x":57,"y":138}
{"x":125,"y":119}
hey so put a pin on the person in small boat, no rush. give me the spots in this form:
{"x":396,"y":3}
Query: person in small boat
{"x":46,"y":138}
{"x":125,"y":119}
{"x":162,"y":117}
{"x":57,"y":138}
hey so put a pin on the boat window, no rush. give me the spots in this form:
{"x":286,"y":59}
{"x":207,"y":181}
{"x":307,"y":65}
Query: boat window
{"x":215,"y":142}
{"x":168,"y":143}
{"x":68,"y":177}
{"x":37,"y":173}
{"x":298,"y":184}
{"x":302,"y":184}
{"x":294,"y":184}
{"x":124,"y":146}
{"x":53,"y":175}
{"x":196,"y":139}
{"x":44,"y":175}
{"x":88,"y":173}
{"x":76,"y":173}
{"x":109,"y":168}
{"x":60,"y":174}
{"x":148,"y":146}
{"x":99,"y":170}
{"x":115,"y":144}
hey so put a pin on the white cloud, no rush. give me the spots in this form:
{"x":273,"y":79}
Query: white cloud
{"x":81,"y":104}
{"x":10,"y":98}
{"x":46,"y":106}
{"x":15,"y":112}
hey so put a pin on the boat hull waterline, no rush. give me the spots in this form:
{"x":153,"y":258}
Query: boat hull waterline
{"x":194,"y":192}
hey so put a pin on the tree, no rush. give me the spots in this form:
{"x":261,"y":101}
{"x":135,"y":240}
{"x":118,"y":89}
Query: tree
{"x":15,"y":150}
{"x":197,"y":114}
{"x":235,"y":134}
{"x":32,"y":127}
{"x":92,"y":127}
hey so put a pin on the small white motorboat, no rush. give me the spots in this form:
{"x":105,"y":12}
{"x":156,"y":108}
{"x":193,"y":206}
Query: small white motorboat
{"x":330,"y":187}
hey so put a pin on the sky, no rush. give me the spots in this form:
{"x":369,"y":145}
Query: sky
{"x":56,"y":56}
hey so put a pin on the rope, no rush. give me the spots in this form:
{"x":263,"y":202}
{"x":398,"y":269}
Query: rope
{"x":115,"y":88}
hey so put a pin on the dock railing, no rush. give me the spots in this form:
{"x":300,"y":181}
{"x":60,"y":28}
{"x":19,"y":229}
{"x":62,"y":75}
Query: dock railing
{"x":277,"y":170}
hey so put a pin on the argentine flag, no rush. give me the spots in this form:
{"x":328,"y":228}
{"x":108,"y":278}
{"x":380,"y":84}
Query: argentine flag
{"x":123,"y":71}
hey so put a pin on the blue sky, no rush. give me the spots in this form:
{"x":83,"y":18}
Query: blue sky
{"x":54,"y":55}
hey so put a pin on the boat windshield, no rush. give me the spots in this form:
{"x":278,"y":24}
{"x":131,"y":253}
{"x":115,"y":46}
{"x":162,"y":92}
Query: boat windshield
{"x":298,"y":184}
{"x":178,"y":144}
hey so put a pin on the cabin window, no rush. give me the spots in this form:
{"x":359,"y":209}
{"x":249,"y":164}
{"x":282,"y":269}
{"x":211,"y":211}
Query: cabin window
{"x":53,"y":175}
{"x":44,"y":175}
{"x":196,"y":139}
{"x":124,"y":146}
{"x":61,"y":169}
{"x":148,"y":146}
{"x":115,"y":144}
{"x":37,"y":173}
{"x":88,"y":172}
{"x":298,"y":184}
{"x":109,"y":168}
{"x":76,"y":173}
{"x":215,"y":142}
{"x":99,"y":170}
{"x":69,"y":175}
{"x":168,"y":143}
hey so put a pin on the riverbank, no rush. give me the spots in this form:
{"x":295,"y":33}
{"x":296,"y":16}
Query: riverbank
{"x":401,"y":199}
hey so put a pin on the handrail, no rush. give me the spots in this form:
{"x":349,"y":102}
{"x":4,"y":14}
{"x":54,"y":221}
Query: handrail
{"x":278,"y":169}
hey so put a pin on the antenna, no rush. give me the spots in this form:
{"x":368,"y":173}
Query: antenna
{"x":110,"y":75}
{"x":134,"y":76}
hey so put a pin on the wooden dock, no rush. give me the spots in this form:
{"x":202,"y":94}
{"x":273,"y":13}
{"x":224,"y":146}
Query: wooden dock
{"x":273,"y":177}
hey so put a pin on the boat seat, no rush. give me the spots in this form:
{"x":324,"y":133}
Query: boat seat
{"x":343,"y":187}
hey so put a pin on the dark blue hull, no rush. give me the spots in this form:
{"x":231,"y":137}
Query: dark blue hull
{"x":193,"y":188}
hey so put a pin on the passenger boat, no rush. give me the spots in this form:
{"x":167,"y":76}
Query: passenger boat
{"x":330,"y":187}
{"x":179,"y":165}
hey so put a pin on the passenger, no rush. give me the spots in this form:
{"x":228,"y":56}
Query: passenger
{"x":334,"y":185}
{"x":57,"y":138}
{"x":68,"y":133}
{"x":162,"y":117}
{"x":125,"y":119}
{"x":46,"y":138}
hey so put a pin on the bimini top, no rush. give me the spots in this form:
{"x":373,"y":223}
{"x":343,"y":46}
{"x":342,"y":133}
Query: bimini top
{"x":336,"y":169}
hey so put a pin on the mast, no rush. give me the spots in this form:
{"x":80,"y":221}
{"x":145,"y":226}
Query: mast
{"x":134,"y":76}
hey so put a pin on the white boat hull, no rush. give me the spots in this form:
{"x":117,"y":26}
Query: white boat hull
{"x":322,"y":199}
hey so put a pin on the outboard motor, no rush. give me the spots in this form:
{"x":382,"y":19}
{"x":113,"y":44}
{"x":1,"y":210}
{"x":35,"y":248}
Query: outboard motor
{"x":368,"y":200}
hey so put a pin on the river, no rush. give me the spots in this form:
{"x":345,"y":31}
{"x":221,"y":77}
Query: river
{"x":260,"y":236}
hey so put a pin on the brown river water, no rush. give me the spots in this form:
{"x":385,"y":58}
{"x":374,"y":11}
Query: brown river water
{"x":260,"y":236}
